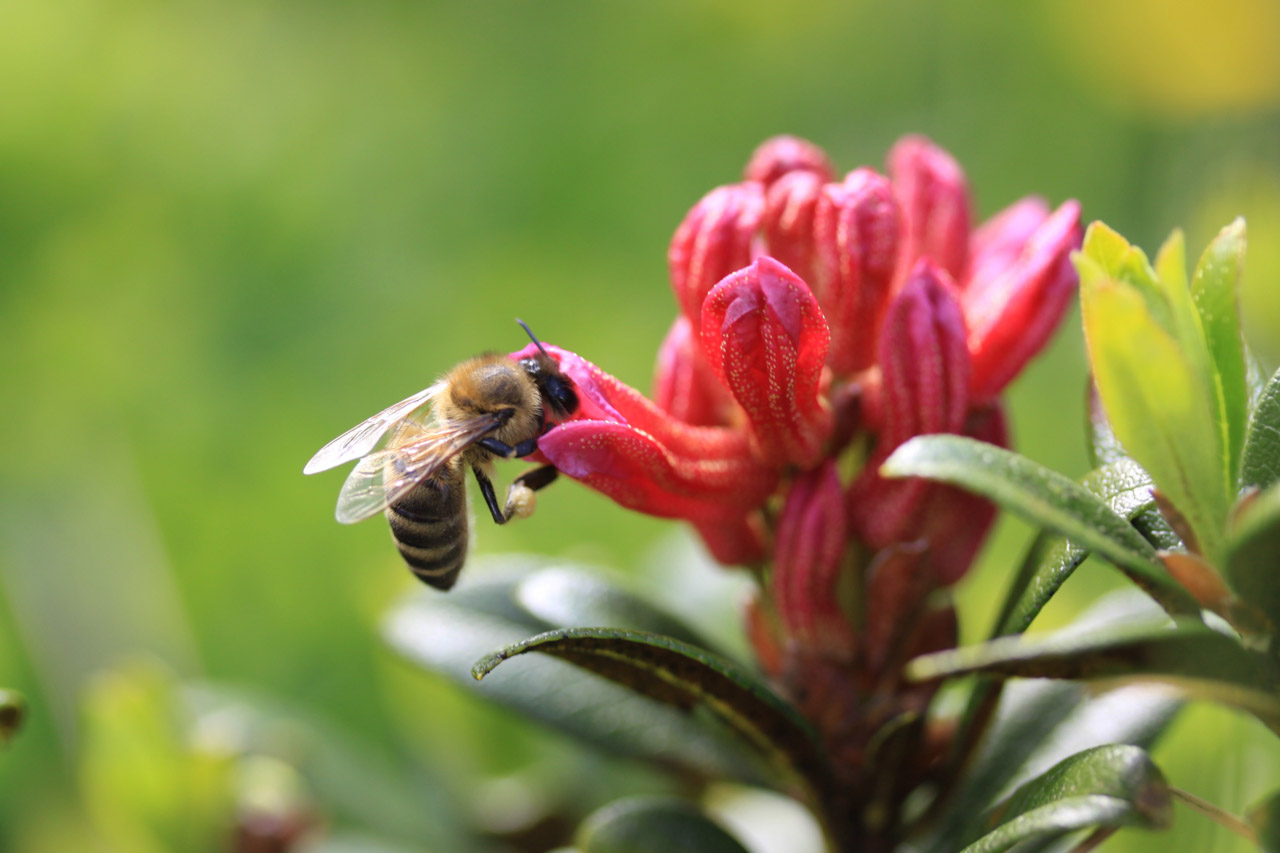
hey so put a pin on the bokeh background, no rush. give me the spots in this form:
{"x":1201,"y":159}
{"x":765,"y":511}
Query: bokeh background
{"x":228,"y":231}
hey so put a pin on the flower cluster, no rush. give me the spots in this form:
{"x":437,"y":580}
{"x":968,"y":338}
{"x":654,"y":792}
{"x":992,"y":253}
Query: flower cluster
{"x":823,"y":322}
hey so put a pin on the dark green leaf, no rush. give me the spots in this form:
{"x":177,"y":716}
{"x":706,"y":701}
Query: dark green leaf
{"x":686,"y":677}
{"x":1215,"y":292}
{"x":1108,"y":786}
{"x":654,"y":825}
{"x":1260,"y":463}
{"x":1264,"y":817}
{"x":13,"y":710}
{"x":573,"y":597}
{"x":448,"y":633}
{"x":1104,"y":448}
{"x":1045,"y":498}
{"x":1189,"y":655}
{"x":1253,"y":554}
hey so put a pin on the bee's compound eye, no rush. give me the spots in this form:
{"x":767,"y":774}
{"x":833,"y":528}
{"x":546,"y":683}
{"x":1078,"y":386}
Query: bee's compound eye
{"x":563,"y":398}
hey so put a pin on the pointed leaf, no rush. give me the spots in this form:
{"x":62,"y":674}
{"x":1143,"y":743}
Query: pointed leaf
{"x":1104,"y":448}
{"x":1190,"y":655}
{"x":1215,"y":288}
{"x":654,"y":825}
{"x":686,"y":677}
{"x":1108,"y":786}
{"x":1253,"y":554}
{"x":13,"y":710}
{"x":1264,"y":817}
{"x":1043,"y":497}
{"x":447,"y":633}
{"x":1260,"y":462}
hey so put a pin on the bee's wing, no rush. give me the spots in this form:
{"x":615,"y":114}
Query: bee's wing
{"x":385,"y":477}
{"x":360,"y":440}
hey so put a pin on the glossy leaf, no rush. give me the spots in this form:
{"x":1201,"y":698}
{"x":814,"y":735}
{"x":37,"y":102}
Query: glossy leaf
{"x":1191,"y":656}
{"x":1108,"y":786}
{"x":448,"y":633}
{"x":1264,"y":817}
{"x":13,"y":710}
{"x":654,"y":825}
{"x":570,"y":596}
{"x":685,"y":677}
{"x":1043,"y":497}
{"x":1260,"y":461}
{"x":1104,"y":448}
{"x":1253,"y":554}
{"x":1160,"y":402}
{"x":1215,"y":287}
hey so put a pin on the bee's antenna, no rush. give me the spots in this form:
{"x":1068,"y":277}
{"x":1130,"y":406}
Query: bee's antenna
{"x":529,"y":331}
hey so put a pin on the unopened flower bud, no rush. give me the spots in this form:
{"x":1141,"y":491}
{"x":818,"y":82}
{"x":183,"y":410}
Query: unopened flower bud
{"x":782,"y":155}
{"x":790,"y":205}
{"x":684,"y":385}
{"x":856,"y":232}
{"x":714,"y":239}
{"x":765,"y":338}
{"x":935,"y":202}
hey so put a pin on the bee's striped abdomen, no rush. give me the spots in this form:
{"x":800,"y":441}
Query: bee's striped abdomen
{"x":429,"y":525}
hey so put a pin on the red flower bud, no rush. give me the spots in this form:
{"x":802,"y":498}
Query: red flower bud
{"x":809,"y":555}
{"x":1013,"y":308}
{"x":788,"y":221}
{"x":684,"y":385}
{"x":897,"y":587}
{"x":713,"y":240}
{"x":782,"y":155}
{"x":857,"y":229}
{"x":766,"y":340}
{"x":740,"y":541}
{"x":924,"y":368}
{"x":935,"y":202}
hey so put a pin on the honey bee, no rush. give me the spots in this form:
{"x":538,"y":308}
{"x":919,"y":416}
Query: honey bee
{"x":414,"y":455}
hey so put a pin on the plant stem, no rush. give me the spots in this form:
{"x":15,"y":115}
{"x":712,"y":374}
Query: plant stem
{"x":1094,"y":840}
{"x":1219,"y":816}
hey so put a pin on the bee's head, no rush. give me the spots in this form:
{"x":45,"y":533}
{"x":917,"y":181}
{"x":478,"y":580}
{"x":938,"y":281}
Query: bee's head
{"x":557,"y":390}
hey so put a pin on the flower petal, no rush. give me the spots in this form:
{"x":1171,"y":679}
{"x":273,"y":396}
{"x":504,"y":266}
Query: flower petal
{"x":857,"y":234}
{"x":765,"y":338}
{"x":782,"y":155}
{"x":1012,"y":312}
{"x":739,"y":541}
{"x":788,"y":221}
{"x":684,"y":385}
{"x":713,"y":240}
{"x":999,"y":241}
{"x":935,"y":201}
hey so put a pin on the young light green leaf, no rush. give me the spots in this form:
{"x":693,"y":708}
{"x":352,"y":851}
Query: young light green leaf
{"x":1198,"y":660}
{"x":654,"y":825}
{"x":686,"y":677}
{"x":1044,"y":497}
{"x":1215,"y":288}
{"x":447,"y":633}
{"x":1106,"y":255}
{"x":1260,"y":460}
{"x":1253,"y":554}
{"x":13,"y":710}
{"x":1108,"y":786}
{"x":1162,"y":404}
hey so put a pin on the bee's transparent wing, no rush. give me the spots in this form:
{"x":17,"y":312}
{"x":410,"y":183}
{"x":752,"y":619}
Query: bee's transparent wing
{"x":360,"y":440}
{"x":385,"y":477}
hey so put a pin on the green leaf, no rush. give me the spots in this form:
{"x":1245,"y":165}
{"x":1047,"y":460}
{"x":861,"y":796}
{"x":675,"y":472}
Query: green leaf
{"x":654,"y":825}
{"x":1104,"y":448}
{"x":1215,"y":291}
{"x":685,"y":677}
{"x":13,"y":710}
{"x":1162,"y":405}
{"x":1045,"y":498}
{"x":448,"y":633}
{"x":574,"y":597}
{"x":1264,"y":817}
{"x":1190,"y":655}
{"x":1253,"y":554}
{"x":1260,"y":461}
{"x":1108,"y":786}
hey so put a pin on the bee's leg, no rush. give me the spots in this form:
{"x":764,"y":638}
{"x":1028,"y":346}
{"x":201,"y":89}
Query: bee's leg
{"x":508,"y":451}
{"x":490,"y":499}
{"x":520,"y":498}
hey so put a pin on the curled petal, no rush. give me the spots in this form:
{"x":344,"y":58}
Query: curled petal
{"x":1012,"y":311}
{"x":766,"y":340}
{"x":684,"y":385}
{"x":782,"y":155}
{"x":924,"y":372}
{"x":955,"y":522}
{"x":739,"y":541}
{"x":809,"y":556}
{"x":713,"y":240}
{"x":999,"y":241}
{"x":788,"y":222}
{"x":935,"y":201}
{"x":857,"y":234}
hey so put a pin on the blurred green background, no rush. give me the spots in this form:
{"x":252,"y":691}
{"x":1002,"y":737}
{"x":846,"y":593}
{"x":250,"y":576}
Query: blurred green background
{"x":228,"y":231}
